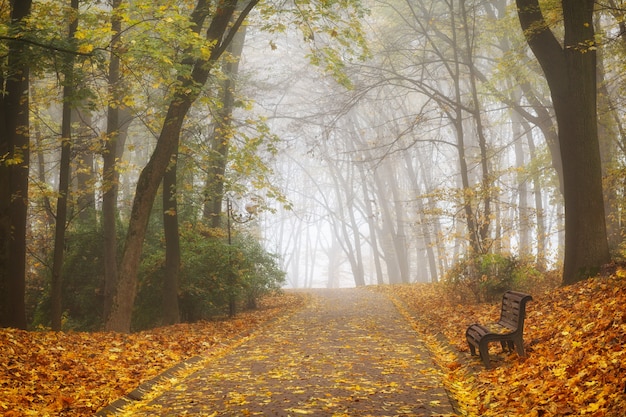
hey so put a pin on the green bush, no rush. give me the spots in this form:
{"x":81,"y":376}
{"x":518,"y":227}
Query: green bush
{"x":484,"y":278}
{"x":206,"y":276}
{"x":82,"y":283}
{"x":212,"y":274}
{"x":260,"y":273}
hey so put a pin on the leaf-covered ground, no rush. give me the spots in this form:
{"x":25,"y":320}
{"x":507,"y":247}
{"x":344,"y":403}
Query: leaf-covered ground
{"x":48,"y":373}
{"x":575,"y":340}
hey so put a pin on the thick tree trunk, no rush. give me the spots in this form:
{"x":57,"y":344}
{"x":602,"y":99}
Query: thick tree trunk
{"x":14,"y":167}
{"x":147,"y":186}
{"x":571,"y":75}
{"x":167,"y":145}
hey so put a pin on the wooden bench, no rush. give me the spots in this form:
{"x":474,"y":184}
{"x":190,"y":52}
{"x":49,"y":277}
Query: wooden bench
{"x":508,"y":330}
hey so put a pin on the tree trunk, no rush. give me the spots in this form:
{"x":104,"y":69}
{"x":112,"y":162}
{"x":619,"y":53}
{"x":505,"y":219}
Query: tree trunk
{"x":399,"y":236}
{"x":523,"y":212}
{"x":56,"y":295}
{"x":542,"y":235}
{"x":222,"y":132}
{"x":387,"y":233}
{"x":571,"y":75}
{"x":347,"y":231}
{"x":147,"y":186}
{"x":83,"y":139}
{"x":426,"y":234}
{"x":171,"y":313}
{"x":456,"y":115}
{"x":484,"y":219}
{"x":372,"y":226}
{"x":167,"y":145}
{"x":110,"y":174}
{"x":14,"y":167}
{"x":608,"y":117}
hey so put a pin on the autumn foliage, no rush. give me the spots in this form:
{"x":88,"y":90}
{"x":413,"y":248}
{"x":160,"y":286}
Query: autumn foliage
{"x":46,"y":373}
{"x":575,"y":340}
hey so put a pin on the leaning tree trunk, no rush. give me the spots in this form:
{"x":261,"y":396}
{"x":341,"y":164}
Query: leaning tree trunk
{"x":571,"y":75}
{"x":167,"y":145}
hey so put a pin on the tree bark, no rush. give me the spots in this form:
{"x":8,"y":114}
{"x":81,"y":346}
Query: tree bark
{"x":84,"y":171}
{"x":167,"y":144}
{"x":171,"y":314}
{"x":14,"y":169}
{"x":110,"y":154}
{"x":485,"y":217}
{"x":222,"y":133}
{"x":571,"y":75}
{"x":56,"y":294}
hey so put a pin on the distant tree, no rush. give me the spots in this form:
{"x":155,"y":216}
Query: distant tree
{"x":64,"y":177}
{"x":570,"y":70}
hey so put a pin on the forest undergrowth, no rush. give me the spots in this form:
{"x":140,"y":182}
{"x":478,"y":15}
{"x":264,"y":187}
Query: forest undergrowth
{"x":575,"y":340}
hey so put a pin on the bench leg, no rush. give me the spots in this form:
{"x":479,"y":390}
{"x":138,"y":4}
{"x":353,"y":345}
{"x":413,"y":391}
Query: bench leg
{"x":507,"y":345}
{"x":519,"y":345}
{"x":484,"y":354}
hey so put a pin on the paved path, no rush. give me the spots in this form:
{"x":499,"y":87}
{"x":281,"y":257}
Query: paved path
{"x":349,"y":353}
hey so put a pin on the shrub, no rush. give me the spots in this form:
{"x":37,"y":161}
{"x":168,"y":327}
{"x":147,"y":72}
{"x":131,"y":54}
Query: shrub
{"x":212,"y":274}
{"x":260,"y":273}
{"x":484,"y":278}
{"x":82,"y":283}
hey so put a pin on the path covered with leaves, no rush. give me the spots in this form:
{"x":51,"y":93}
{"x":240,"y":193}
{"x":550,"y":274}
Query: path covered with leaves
{"x":348,"y":353}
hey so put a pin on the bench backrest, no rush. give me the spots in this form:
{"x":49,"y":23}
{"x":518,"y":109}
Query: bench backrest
{"x":513,"y":310}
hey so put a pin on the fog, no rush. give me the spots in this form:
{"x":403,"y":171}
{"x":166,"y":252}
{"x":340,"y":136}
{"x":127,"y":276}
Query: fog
{"x":382,"y":175}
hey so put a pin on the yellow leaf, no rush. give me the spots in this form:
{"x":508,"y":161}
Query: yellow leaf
{"x":85,"y":48}
{"x":299,"y":411}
